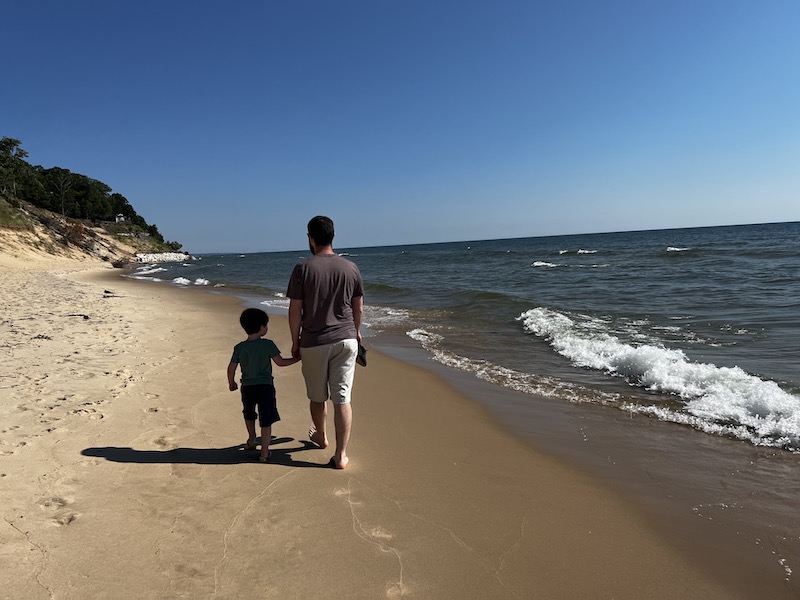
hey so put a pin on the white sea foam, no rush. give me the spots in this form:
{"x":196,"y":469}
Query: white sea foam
{"x":528,"y":383}
{"x":676,"y":249}
{"x":149,"y":269}
{"x":181,"y":281}
{"x":424,"y":337}
{"x":582,"y":251}
{"x":718,"y":399}
{"x":277,"y":301}
{"x":201,"y":281}
{"x":380,"y":317}
{"x":156,"y":257}
{"x":541,"y":263}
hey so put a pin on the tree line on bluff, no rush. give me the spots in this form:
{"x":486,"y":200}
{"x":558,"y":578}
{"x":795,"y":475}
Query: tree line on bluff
{"x":61,"y":191}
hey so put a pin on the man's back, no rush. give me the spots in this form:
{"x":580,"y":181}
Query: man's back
{"x":326,"y":284}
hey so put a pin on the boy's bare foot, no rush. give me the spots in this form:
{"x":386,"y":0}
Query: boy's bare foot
{"x":318,"y":438}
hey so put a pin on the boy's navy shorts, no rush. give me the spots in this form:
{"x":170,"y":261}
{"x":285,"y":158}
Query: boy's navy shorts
{"x":261,"y":396}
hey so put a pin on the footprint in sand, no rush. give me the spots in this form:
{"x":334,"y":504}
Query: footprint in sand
{"x":59,"y":506}
{"x":7,"y":449}
{"x":54,"y":502}
{"x":88,"y":412}
{"x":380,"y":533}
{"x":65,"y":519}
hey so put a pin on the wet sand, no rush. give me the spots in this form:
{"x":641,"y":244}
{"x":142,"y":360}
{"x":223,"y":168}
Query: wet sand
{"x":123,"y":472}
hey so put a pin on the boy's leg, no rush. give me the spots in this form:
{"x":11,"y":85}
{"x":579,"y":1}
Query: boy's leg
{"x":251,"y":430}
{"x":266,"y":438}
{"x":249,"y":414}
{"x":251,"y":443}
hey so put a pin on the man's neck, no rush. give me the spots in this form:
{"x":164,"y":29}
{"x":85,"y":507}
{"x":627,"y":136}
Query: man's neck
{"x":323,"y":250}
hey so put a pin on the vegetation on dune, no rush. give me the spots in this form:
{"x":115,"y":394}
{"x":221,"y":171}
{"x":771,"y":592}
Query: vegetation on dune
{"x":82,"y":202}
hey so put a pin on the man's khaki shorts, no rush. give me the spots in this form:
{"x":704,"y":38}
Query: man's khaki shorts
{"x":328,"y":371}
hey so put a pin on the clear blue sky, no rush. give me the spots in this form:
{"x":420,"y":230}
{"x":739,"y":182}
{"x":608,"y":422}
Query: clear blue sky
{"x":230,"y":124}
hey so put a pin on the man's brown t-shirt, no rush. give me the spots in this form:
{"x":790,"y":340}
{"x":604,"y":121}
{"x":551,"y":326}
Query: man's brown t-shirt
{"x":326,"y":284}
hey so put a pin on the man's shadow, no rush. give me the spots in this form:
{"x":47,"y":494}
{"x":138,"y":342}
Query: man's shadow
{"x":232,"y":455}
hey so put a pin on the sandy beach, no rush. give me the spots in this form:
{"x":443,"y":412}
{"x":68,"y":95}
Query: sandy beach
{"x":122,"y":472}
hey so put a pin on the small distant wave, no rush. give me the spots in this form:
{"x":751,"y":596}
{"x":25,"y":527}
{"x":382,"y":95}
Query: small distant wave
{"x":184,"y":281}
{"x":546,"y":265}
{"x":717,"y":399}
{"x":579,"y":251}
{"x":149,"y":270}
{"x":541,"y":264}
{"x":677,"y":249}
{"x":278,"y":301}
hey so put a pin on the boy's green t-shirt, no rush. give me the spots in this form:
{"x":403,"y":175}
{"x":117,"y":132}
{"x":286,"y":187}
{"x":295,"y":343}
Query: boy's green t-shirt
{"x":254,"y":357}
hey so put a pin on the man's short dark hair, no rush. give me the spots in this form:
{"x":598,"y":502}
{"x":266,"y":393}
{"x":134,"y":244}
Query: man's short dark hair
{"x":253,"y":319}
{"x":321,"y":230}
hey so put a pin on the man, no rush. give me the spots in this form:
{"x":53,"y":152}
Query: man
{"x":326,"y":304}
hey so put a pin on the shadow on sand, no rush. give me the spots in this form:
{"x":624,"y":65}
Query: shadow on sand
{"x":232,"y":455}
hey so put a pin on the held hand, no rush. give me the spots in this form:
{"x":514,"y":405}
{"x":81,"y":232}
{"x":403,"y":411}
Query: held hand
{"x":296,"y":350}
{"x":232,"y":386}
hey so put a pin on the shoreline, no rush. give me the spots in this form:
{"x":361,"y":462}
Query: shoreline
{"x":422,"y":510}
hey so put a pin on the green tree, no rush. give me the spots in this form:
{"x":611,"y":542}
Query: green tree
{"x":13,"y":167}
{"x":59,"y":182}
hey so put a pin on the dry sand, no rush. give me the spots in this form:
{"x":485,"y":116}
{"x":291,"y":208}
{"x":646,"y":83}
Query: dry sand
{"x":122,"y":473}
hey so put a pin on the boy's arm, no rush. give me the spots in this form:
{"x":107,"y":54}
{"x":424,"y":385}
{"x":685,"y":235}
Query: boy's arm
{"x":284,"y":362}
{"x":231,"y":374}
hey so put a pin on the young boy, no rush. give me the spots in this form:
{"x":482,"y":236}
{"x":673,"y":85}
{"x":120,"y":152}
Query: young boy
{"x":258,"y":390}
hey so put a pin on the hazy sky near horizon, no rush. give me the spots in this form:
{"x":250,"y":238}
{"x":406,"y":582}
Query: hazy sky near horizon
{"x":229,"y":125}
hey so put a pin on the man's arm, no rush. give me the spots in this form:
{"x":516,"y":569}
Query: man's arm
{"x":358,"y":314}
{"x":295,"y":321}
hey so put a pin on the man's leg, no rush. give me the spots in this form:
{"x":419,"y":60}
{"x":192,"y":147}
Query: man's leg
{"x":315,"y":372}
{"x":341,"y":370}
{"x":319,"y":417}
{"x":343,"y":421}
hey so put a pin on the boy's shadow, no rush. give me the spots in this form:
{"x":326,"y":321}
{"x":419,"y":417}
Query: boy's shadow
{"x":232,"y":455}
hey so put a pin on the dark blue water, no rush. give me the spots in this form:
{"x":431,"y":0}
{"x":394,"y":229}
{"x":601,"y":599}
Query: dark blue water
{"x":694,"y":326}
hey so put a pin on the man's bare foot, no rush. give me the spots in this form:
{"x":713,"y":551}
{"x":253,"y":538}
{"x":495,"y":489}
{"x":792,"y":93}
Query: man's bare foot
{"x":319,"y":439}
{"x":341,"y":463}
{"x":264,"y":457}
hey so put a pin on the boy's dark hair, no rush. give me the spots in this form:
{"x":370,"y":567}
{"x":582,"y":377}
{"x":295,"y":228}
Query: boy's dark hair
{"x":252,"y":319}
{"x":321,"y":230}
